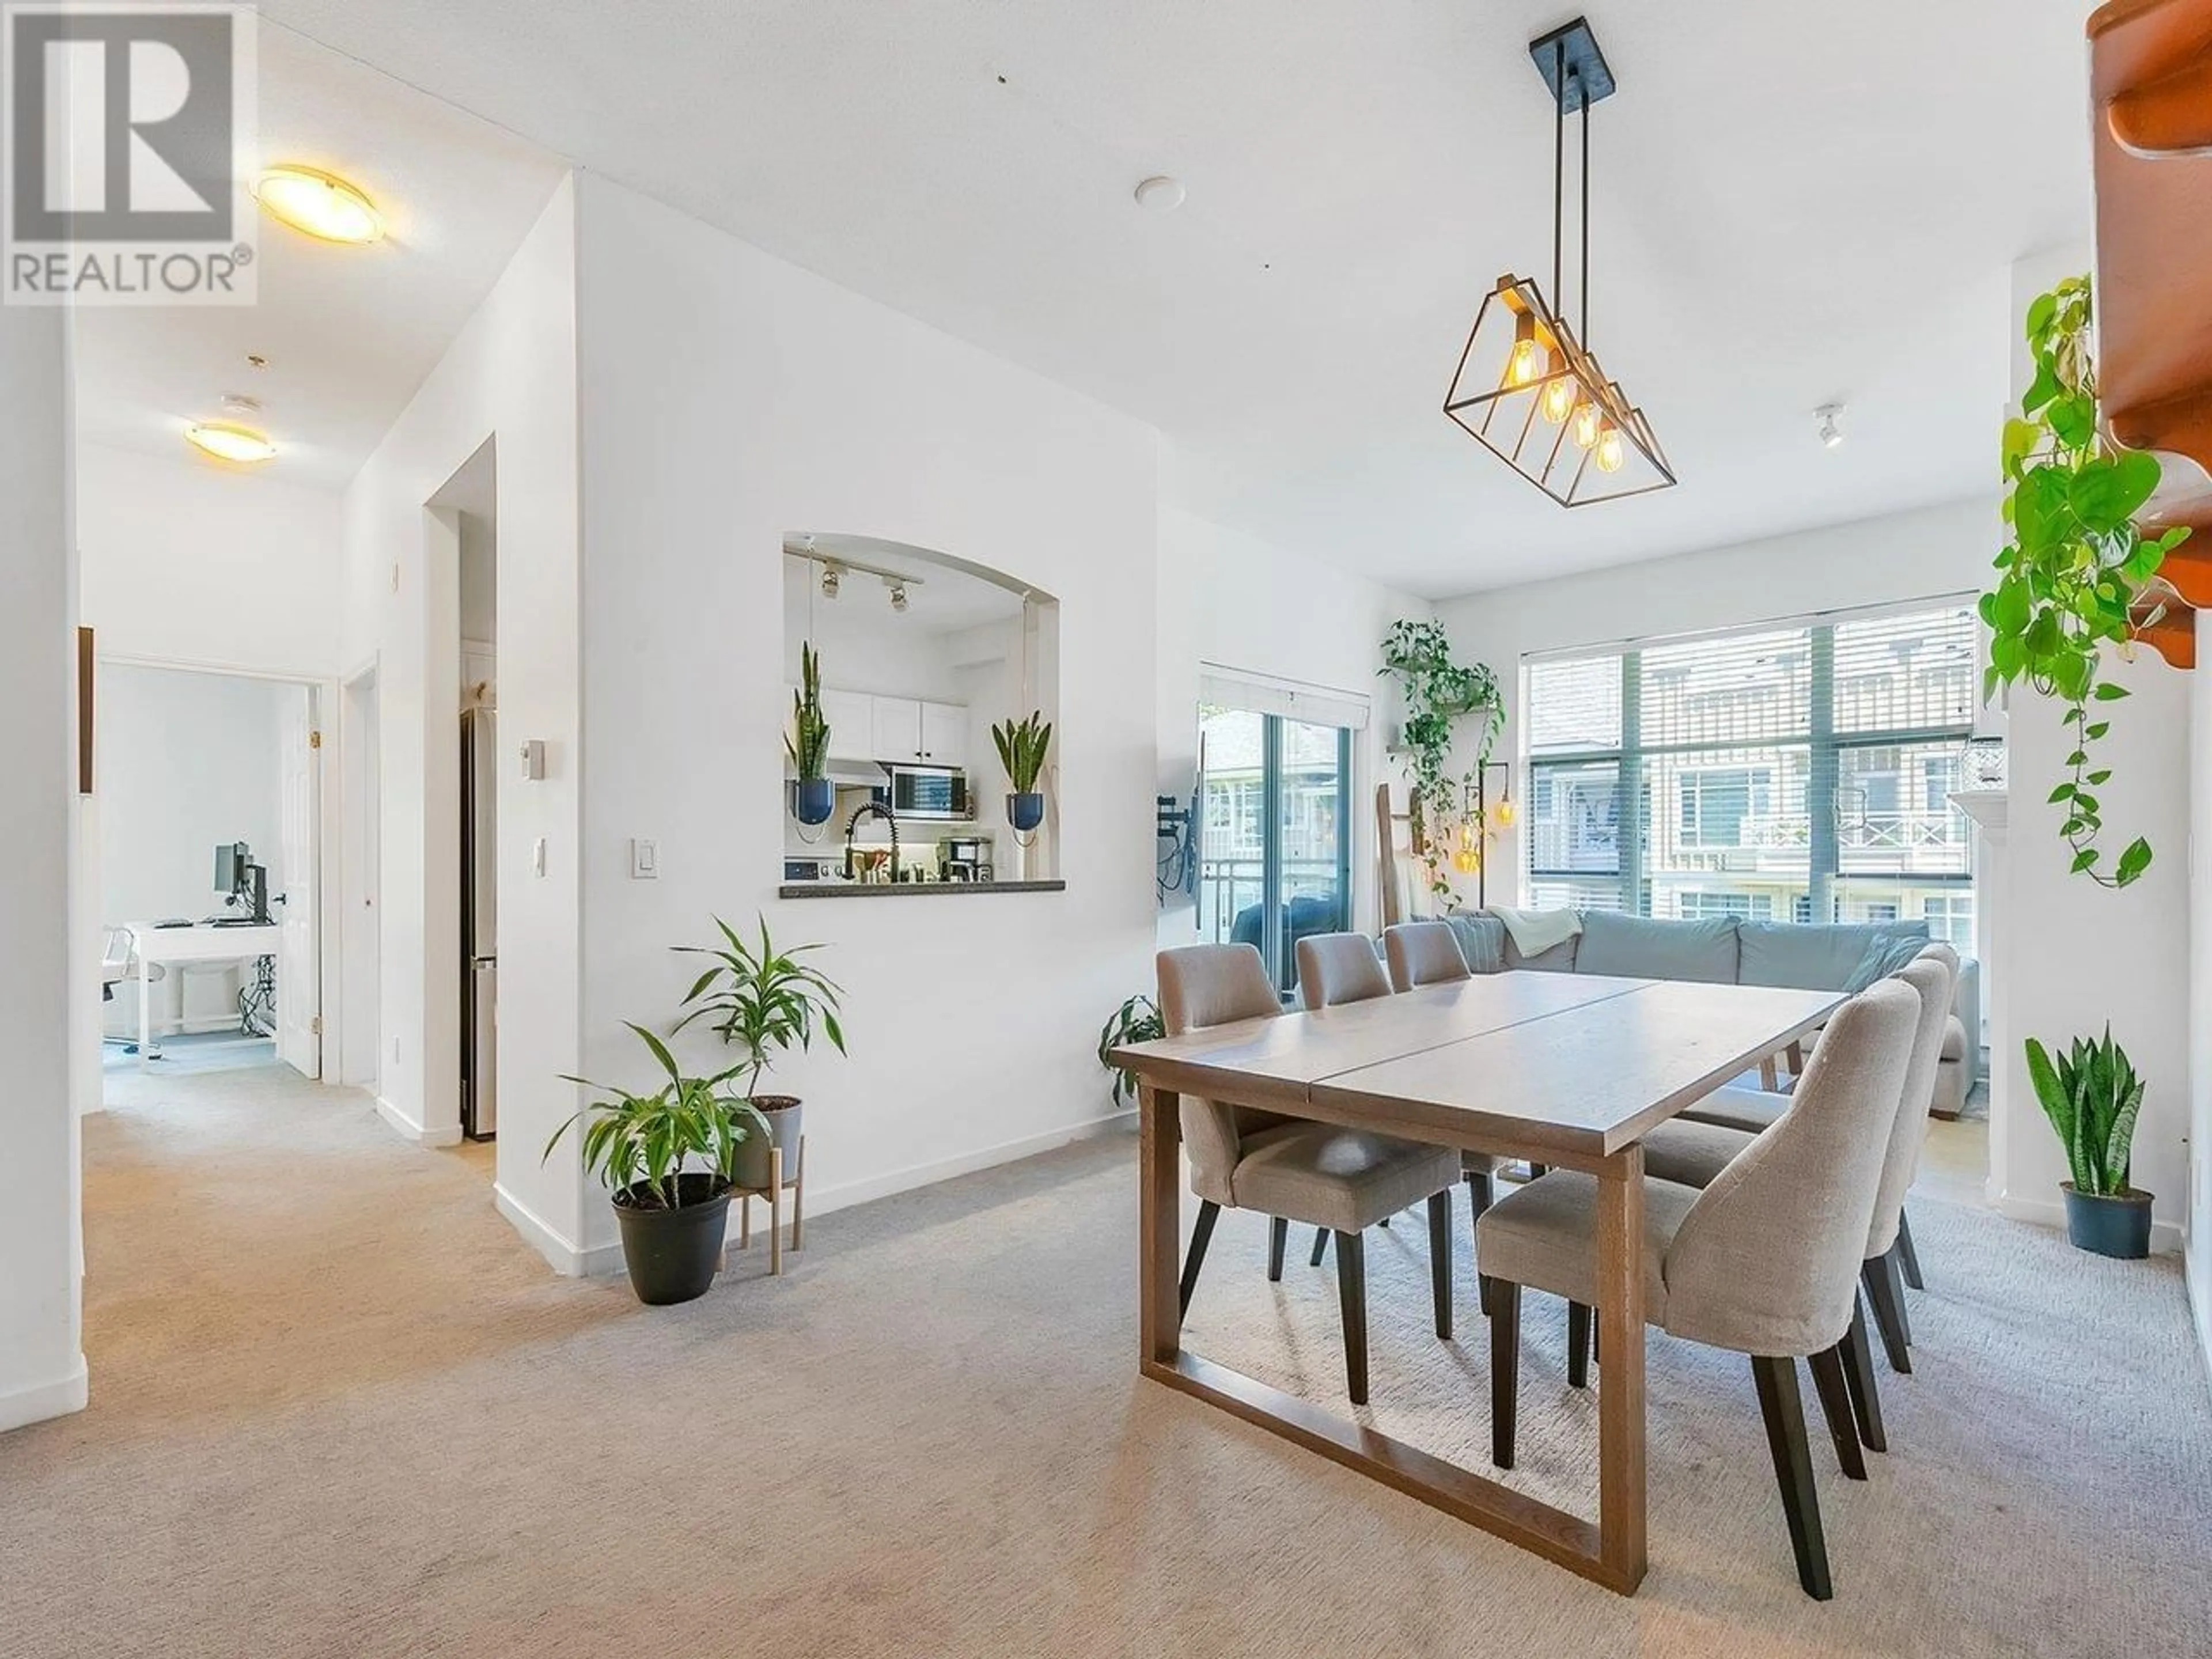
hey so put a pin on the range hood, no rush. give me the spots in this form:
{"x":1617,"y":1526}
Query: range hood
{"x":855,"y":774}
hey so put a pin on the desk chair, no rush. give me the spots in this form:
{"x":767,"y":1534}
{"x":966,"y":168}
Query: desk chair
{"x":118,"y":962}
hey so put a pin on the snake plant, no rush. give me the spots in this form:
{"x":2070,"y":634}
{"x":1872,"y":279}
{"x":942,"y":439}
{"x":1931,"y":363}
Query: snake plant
{"x":2091,"y":1094}
{"x":1022,"y":748}
{"x":807,"y":743}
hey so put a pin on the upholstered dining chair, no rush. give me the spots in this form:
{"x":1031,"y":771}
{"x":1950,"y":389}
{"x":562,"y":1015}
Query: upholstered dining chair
{"x":1428,"y":953}
{"x":1345,"y":1180}
{"x":1693,"y":1152}
{"x":1764,"y":1261}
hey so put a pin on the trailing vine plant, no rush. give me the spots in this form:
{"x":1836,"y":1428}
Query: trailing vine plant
{"x":2076,"y":567}
{"x":1436,"y":691}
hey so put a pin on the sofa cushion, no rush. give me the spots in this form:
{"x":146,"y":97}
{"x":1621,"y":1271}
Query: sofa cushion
{"x":1638,"y":947}
{"x":1798,"y":956}
{"x":1884,"y":956}
{"x":1481,"y":941}
{"x":1560,"y":959}
{"x":1954,"y":1038}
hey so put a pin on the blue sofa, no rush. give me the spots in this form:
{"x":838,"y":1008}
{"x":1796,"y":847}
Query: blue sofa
{"x":1733,"y":950}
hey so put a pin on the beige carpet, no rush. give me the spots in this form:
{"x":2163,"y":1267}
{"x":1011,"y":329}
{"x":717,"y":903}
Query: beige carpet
{"x":339,"y":1409}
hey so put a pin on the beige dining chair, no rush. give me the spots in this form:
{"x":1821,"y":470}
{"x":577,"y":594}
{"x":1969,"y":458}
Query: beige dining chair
{"x":1334,"y":968}
{"x":1345,"y":1180}
{"x":1693,"y":1152}
{"x":1764,"y":1261}
{"x":1428,"y":953}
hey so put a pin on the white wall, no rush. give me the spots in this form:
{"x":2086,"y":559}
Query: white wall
{"x":728,"y":398}
{"x":1228,"y":599}
{"x":186,"y":760}
{"x":2199,"y":1212}
{"x":864,"y":645}
{"x":42,"y":1372}
{"x":511,"y":373}
{"x":1936,"y":552}
{"x":186,"y":561}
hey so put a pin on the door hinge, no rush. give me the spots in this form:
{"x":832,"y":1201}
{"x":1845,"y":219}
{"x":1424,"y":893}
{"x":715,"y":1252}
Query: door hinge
{"x":314,"y":740}
{"x":315,"y":1026}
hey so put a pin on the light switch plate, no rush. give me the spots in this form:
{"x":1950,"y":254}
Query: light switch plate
{"x":644,"y":860}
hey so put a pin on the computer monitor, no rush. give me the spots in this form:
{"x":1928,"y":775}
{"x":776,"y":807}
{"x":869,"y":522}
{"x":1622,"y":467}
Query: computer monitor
{"x":231,"y":858}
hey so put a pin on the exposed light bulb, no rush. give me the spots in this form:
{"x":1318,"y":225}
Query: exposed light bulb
{"x":1610,"y":453}
{"x":1502,"y":814}
{"x":1559,"y":395}
{"x":1528,"y":360}
{"x":1587,"y":424}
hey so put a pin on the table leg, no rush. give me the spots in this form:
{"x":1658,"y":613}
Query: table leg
{"x":1159,"y":1217}
{"x":1621,"y":1492}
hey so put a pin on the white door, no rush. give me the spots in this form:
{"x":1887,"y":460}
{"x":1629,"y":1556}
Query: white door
{"x":898,"y":731}
{"x":299,"y":959}
{"x":944,"y":733}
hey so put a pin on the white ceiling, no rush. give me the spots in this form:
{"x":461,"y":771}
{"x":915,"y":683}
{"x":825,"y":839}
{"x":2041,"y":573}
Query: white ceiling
{"x":1791,"y":208}
{"x":349,"y":333}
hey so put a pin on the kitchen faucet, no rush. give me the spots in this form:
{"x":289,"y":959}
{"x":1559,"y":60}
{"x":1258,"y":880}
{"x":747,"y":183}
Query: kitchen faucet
{"x":882,"y":812}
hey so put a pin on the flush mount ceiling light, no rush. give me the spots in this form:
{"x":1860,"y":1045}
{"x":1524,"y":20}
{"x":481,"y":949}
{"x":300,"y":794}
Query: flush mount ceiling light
{"x":320,"y":204}
{"x":237,"y":438}
{"x":1529,"y":388}
{"x":1830,"y":432}
{"x":1160,"y":193}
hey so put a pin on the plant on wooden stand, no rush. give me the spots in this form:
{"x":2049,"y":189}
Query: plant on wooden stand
{"x":669,"y":1157}
{"x":763,"y":1002}
{"x":1437,"y":691}
{"x":2079,"y":574}
{"x":2092,"y":1096}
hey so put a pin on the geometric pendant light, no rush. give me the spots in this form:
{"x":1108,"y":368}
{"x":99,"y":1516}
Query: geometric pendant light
{"x":1529,"y":389}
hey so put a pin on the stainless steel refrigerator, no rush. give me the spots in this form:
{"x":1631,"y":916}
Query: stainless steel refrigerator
{"x":479,"y":924}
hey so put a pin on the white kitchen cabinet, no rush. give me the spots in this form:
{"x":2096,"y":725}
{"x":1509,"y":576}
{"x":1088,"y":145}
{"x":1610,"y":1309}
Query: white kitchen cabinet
{"x":852,"y":718}
{"x":944,"y":734}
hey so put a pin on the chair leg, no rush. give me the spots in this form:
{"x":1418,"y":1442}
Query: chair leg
{"x":1440,"y":1260}
{"x":1505,"y":1369}
{"x":1279,"y":1234}
{"x":1785,"y":1410}
{"x":1858,"y":1372}
{"x":1482,"y":1193}
{"x":1321,"y":1246}
{"x":1578,"y":1346}
{"x":1536,"y":1170}
{"x":1830,"y":1382}
{"x":1885,"y":1289}
{"x":1351,"y":1300}
{"x":1202,"y":1234}
{"x":1907,"y":1257}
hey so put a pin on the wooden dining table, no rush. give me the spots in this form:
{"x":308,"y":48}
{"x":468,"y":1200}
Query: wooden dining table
{"x":1566,"y":1070}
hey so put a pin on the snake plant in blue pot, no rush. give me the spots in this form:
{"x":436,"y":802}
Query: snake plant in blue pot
{"x":1023,"y":746}
{"x":807,"y":743}
{"x":2092,"y":1096}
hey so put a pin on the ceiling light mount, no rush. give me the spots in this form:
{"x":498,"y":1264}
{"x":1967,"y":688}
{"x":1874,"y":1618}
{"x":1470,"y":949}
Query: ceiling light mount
{"x":1528,"y":387}
{"x":1160,"y":193}
{"x":1832,"y":433}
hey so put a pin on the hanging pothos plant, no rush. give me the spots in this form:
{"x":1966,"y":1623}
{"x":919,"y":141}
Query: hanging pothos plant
{"x":2078,"y":574}
{"x":1436,"y":692}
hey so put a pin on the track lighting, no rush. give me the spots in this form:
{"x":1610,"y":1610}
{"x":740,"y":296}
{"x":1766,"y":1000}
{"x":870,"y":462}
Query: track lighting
{"x":898,"y":597}
{"x":832,"y":577}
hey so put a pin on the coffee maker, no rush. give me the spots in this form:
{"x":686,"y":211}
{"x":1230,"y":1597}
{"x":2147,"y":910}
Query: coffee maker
{"x":965,"y":858}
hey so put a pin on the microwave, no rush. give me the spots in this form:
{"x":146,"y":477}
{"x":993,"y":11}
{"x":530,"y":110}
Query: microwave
{"x":939,"y":792}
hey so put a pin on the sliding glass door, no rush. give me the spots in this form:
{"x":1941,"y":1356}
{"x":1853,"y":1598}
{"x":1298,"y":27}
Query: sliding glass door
{"x":1275,"y":861}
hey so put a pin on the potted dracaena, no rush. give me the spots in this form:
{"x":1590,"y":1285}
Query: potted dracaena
{"x":1023,"y":746}
{"x":2091,"y":1095}
{"x":814,"y":797}
{"x":668,"y":1158}
{"x":764,"y":1001}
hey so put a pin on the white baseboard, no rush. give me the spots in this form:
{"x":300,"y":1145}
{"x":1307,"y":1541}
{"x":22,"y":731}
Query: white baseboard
{"x":827,"y":1198}
{"x":563,"y":1256}
{"x":413,"y":1130}
{"x":44,"y":1399}
{"x":2165,"y":1236}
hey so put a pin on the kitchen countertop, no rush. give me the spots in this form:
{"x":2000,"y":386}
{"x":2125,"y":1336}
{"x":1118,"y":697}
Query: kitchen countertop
{"x":814,"y":890}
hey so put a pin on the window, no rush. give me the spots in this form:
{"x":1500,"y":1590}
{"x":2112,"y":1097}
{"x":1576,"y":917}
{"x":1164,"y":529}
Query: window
{"x":1800,"y":771}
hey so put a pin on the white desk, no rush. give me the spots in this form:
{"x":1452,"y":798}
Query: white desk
{"x":203,"y":943}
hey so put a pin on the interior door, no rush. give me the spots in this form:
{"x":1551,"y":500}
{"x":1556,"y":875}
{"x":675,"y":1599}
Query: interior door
{"x":299,"y":955}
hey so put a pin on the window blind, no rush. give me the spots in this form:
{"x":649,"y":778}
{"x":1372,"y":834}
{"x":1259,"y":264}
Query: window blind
{"x":1261,"y":694}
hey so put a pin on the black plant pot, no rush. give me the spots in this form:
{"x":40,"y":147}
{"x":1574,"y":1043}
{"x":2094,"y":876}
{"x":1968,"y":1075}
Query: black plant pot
{"x":784,"y":1122}
{"x":813,"y":801}
{"x":672,"y":1254}
{"x":2117,"y":1226}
